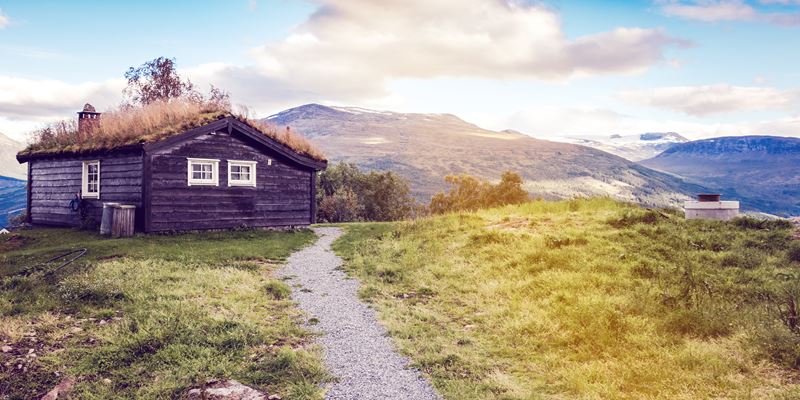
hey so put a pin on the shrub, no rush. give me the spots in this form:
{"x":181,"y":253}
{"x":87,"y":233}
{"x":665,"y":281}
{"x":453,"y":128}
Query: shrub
{"x":762,"y":224}
{"x":745,"y":259}
{"x":633,"y":217}
{"x":18,"y":219}
{"x":468,"y":193}
{"x":342,"y":206}
{"x":776,"y":342}
{"x":277,"y":290}
{"x":793,"y":253}
{"x":348,"y":194}
{"x":701,"y":321}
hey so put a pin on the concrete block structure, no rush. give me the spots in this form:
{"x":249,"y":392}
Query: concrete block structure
{"x":709,"y":206}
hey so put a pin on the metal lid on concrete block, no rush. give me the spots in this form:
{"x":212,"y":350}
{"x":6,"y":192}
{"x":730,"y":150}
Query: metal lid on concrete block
{"x":706,"y":197}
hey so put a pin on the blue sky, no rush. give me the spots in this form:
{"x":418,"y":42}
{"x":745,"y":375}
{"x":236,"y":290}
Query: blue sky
{"x":553,"y":68}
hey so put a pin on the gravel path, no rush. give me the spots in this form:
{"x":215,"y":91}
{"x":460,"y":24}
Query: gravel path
{"x":357,"y":350}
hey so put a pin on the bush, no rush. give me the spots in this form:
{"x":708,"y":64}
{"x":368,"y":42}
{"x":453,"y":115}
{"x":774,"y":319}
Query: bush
{"x":762,"y":224}
{"x":745,"y":259}
{"x":342,"y":206}
{"x":633,"y":217}
{"x":794,"y":251}
{"x":347,"y":194}
{"x":277,"y":290}
{"x":779,"y":344}
{"x":469,"y":193}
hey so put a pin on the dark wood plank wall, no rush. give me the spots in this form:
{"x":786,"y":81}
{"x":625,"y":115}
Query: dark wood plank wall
{"x":281,"y":198}
{"x":55,"y":182}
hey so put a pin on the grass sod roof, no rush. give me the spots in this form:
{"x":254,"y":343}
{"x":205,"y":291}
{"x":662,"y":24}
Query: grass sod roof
{"x":119,"y":129}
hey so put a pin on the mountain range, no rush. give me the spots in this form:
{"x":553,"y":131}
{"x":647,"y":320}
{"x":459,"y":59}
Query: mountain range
{"x":426,"y":147}
{"x":632,"y":147}
{"x":761,"y":171}
{"x":12,"y":198}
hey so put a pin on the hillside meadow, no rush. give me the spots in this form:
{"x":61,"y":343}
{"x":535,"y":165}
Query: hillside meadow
{"x":151,"y":316}
{"x":587,"y":299}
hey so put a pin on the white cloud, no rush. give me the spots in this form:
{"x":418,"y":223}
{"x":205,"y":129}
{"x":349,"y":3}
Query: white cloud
{"x":4,"y":20}
{"x":350,"y":49}
{"x":730,"y":10}
{"x":711,"y":99}
{"x":41,"y":100}
{"x":711,"y":11}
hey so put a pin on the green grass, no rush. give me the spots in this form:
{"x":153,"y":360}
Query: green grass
{"x":586,"y":299}
{"x":149,"y":317}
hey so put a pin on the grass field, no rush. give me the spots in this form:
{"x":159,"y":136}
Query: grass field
{"x":587,"y":299}
{"x":149,"y":317}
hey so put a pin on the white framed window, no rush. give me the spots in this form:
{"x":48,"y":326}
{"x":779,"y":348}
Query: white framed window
{"x":203,"y":172}
{"x":242,"y":173}
{"x":90,"y":180}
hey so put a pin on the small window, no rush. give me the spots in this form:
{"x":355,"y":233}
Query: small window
{"x":241,"y":173}
{"x":203,"y":171}
{"x":90,"y":182}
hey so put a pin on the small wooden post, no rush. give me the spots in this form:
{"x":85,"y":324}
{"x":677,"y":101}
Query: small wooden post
{"x":123,"y":221}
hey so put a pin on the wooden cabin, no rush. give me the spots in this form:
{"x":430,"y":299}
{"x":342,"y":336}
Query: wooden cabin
{"x":223,"y":174}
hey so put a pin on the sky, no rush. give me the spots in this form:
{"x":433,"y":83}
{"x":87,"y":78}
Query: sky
{"x":546,"y":68}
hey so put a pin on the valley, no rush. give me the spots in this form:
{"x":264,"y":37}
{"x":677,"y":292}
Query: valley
{"x":425,"y":147}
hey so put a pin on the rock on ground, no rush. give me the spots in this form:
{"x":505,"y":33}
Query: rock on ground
{"x":357,"y":350}
{"x":60,"y":391}
{"x":225,"y":390}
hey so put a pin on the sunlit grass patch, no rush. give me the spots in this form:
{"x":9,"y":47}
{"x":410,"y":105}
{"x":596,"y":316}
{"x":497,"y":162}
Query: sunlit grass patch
{"x":585,"y":299}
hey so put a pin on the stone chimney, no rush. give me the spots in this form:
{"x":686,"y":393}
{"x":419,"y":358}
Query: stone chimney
{"x":88,"y":119}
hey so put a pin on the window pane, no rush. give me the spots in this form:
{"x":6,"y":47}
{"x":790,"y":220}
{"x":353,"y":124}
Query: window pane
{"x":202,"y":171}
{"x":240,"y":173}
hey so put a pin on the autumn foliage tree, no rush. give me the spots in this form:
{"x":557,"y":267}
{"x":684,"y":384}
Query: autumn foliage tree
{"x":468,"y":193}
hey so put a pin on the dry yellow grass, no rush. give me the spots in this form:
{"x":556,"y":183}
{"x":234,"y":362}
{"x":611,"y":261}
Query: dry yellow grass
{"x":584,"y":299}
{"x":151,"y":123}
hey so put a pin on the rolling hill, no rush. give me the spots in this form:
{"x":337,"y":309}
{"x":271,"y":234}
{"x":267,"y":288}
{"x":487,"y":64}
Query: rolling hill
{"x":8,"y":161}
{"x":762,"y":171}
{"x":426,"y":147}
{"x":12,"y":198}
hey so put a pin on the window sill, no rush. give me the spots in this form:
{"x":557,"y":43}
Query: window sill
{"x":241,"y":184}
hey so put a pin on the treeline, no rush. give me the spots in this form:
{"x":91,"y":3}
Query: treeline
{"x":346,"y":194}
